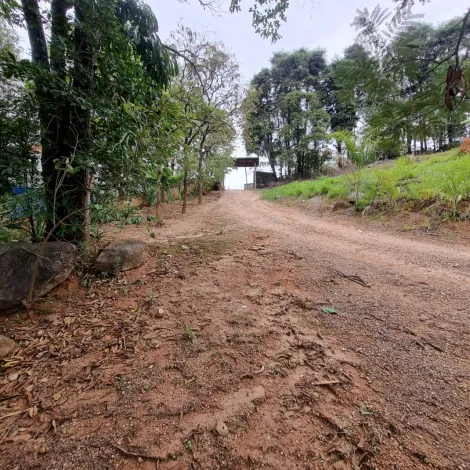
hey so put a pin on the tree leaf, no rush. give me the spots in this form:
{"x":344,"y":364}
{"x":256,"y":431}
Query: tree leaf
{"x":330,"y":310}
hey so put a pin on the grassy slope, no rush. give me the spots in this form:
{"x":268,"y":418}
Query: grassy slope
{"x":444,"y":177}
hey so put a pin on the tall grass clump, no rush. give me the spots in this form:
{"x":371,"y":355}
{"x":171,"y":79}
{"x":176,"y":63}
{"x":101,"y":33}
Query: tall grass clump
{"x":442,"y":177}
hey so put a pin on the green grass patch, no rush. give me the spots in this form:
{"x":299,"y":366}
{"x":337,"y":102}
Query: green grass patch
{"x":332,"y":187}
{"x":444,"y":177}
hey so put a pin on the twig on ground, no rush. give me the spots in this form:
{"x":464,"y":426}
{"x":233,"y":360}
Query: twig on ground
{"x":353,"y":278}
{"x":14,"y":413}
{"x":327,"y":382}
{"x":330,"y":421}
{"x":419,"y":343}
{"x":434,"y":346}
{"x":192,"y":433}
{"x":134,"y":454}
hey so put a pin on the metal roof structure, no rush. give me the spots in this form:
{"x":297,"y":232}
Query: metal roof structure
{"x":247,"y":162}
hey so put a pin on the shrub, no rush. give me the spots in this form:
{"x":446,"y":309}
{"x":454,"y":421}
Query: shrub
{"x":149,"y":194}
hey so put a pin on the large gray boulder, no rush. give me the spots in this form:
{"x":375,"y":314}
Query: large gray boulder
{"x":122,"y":255}
{"x":17,"y":260}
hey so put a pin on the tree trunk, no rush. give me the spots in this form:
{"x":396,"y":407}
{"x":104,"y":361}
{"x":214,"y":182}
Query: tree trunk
{"x":59,"y":31}
{"x":299,"y":164}
{"x":450,"y":134}
{"x":37,"y":38}
{"x":80,"y":123}
{"x":159,"y":194}
{"x":53,"y":116}
{"x":66,"y":128}
{"x":272,"y":162}
{"x":60,"y":115}
{"x":86,"y":214}
{"x":185,"y":191}
{"x":199,"y":177}
{"x":37,"y":41}
{"x":408,"y":143}
{"x":339,"y":147}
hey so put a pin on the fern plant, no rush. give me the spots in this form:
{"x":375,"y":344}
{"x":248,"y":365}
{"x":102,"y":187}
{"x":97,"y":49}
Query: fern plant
{"x":376,"y":33}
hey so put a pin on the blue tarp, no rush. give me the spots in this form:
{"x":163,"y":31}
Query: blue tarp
{"x":23,"y":206}
{"x":17,"y":190}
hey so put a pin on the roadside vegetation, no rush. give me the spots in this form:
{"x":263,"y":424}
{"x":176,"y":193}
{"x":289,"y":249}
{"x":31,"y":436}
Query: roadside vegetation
{"x":90,"y":120}
{"x":441,"y":177}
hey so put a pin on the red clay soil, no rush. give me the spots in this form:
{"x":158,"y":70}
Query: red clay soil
{"x":217,"y":353}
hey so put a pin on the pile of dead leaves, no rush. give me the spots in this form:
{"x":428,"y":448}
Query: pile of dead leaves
{"x":31,"y":377}
{"x":456,"y":86}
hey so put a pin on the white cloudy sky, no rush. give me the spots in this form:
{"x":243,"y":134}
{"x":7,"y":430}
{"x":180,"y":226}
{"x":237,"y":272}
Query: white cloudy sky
{"x":310,"y":23}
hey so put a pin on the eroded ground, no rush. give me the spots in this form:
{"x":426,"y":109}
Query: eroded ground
{"x":225,"y":325}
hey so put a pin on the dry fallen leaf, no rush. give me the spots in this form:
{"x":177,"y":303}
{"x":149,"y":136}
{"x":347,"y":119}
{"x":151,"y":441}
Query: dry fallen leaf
{"x":33,"y":411}
{"x":43,"y":449}
{"x":19,"y":438}
{"x":10,"y":364}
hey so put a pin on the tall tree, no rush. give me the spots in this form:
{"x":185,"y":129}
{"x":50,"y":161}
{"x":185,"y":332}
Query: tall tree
{"x":259,"y":120}
{"x":68,"y":73}
{"x":209,"y":87}
{"x":284,"y":119}
{"x":340,"y":106}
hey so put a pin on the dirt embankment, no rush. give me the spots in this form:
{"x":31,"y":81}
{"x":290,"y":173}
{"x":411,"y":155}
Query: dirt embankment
{"x":225,"y":325}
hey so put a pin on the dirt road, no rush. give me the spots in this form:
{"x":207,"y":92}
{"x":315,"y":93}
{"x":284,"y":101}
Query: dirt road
{"x":217,"y":354}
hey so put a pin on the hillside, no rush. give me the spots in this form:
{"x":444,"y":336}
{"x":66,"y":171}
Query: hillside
{"x":410,"y":182}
